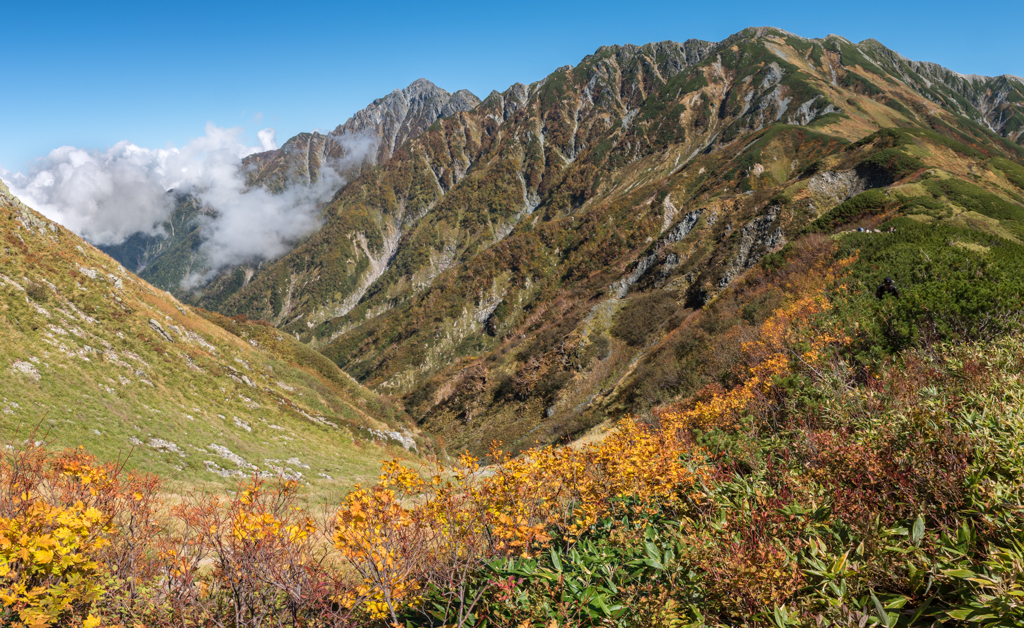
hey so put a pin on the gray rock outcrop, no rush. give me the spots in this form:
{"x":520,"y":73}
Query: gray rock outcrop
{"x":759,"y":237}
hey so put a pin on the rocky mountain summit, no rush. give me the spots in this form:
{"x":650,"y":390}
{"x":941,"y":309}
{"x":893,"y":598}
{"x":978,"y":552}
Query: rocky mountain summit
{"x":367,"y":138}
{"x":370,"y":136}
{"x":406,"y":113}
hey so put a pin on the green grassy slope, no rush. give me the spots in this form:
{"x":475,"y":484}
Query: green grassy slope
{"x":93,"y":356}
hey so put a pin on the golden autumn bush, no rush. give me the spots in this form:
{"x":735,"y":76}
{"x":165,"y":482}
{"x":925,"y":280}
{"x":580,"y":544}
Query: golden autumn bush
{"x":62,"y":541}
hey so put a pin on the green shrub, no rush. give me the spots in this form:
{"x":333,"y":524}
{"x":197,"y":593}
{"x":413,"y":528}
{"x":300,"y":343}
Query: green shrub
{"x":894,"y":162}
{"x":37,"y":292}
{"x":866,"y":203}
{"x":909,"y":203}
{"x":776,"y":260}
{"x":973,"y":198}
{"x":884,"y":138}
{"x":947,"y":292}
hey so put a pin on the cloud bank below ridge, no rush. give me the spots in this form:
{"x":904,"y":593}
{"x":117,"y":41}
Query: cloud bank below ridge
{"x":107,"y":196}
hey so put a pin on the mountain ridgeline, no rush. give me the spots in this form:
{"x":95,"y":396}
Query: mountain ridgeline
{"x":599,"y":242}
{"x":383,"y":126}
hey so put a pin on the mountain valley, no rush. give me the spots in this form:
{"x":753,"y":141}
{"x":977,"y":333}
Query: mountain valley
{"x":688,"y":334}
{"x":526,"y":268}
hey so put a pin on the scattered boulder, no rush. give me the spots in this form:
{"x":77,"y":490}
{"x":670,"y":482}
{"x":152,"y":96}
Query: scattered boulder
{"x":26,"y":368}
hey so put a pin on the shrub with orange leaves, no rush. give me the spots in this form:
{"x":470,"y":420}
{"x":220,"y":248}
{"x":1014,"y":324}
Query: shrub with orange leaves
{"x":49,"y":572}
{"x":568,"y":489}
{"x":796,"y":335}
{"x":267,"y":559}
{"x":382,"y":539}
{"x":406,"y":535}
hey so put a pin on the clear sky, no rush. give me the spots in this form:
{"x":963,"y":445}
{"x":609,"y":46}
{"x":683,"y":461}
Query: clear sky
{"x":90,"y":74}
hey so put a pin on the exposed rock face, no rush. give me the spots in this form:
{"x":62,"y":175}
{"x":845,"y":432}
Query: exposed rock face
{"x":404,"y":114}
{"x":835,"y":187}
{"x":369,"y":136}
{"x":620,"y":288}
{"x":759,"y":237}
{"x":515,"y":142}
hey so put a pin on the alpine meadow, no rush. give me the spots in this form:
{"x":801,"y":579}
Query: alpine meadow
{"x":686,"y":334}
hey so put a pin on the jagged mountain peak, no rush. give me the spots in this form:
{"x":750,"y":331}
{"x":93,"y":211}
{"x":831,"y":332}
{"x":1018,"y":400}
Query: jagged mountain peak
{"x":404,"y":114}
{"x":368,"y":137}
{"x":420,"y":91}
{"x":420,"y":84}
{"x":371,"y":135}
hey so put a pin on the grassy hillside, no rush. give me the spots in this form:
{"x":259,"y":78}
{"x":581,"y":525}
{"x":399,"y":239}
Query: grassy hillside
{"x":93,"y":356}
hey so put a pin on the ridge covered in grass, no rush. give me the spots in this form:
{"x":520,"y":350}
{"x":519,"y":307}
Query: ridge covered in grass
{"x":93,"y":356}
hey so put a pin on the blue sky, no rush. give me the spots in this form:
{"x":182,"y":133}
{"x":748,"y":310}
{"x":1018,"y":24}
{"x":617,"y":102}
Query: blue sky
{"x":93,"y":74}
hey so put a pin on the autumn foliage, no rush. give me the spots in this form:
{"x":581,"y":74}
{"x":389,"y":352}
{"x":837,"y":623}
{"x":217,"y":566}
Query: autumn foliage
{"x":812,"y":491}
{"x":256,"y":559}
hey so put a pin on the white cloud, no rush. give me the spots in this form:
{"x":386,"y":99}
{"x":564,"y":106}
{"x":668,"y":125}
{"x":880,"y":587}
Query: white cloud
{"x":106,"y":196}
{"x":267,"y":139}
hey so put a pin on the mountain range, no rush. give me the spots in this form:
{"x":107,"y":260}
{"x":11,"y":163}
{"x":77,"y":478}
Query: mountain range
{"x":530,"y":266}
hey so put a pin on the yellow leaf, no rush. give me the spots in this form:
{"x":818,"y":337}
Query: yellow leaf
{"x":91,"y":622}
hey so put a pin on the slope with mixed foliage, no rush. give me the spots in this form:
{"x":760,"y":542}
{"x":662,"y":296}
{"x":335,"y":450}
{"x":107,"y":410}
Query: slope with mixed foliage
{"x":838,"y":480}
{"x":524,"y":270}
